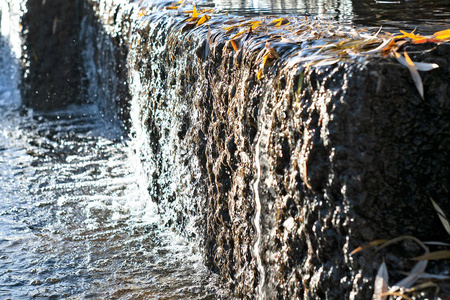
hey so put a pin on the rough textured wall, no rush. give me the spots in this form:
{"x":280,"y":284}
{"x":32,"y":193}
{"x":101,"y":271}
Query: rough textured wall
{"x":282,"y":177}
{"x":352,"y":156}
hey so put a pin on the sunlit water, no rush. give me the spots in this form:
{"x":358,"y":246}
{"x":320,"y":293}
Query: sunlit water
{"x":427,"y":16}
{"x":73,"y":222}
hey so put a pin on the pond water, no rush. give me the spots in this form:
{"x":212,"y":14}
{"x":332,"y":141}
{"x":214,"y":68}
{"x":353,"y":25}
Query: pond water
{"x":428,"y":16}
{"x":73,"y":222}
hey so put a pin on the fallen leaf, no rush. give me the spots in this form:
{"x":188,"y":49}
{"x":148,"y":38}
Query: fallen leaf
{"x":382,"y":47}
{"x":402,"y":238}
{"x":203,"y":19}
{"x":369,"y":245}
{"x":442,"y":216}
{"x":443,"y":254}
{"x":424,"y":285}
{"x":426,"y":40}
{"x":442,"y":35}
{"x":409,"y":280}
{"x":381,"y":283}
{"x":234,"y":44}
{"x":434,"y":243}
{"x":412,"y":35}
{"x":280,"y":21}
{"x":402,"y":295}
{"x":194,"y":13}
{"x":407,"y":62}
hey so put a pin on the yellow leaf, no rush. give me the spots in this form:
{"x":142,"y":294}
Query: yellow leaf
{"x":194,"y":13}
{"x":171,"y":7}
{"x":203,"y":20}
{"x":260,"y":73}
{"x":280,"y":21}
{"x":412,"y":35}
{"x":238,"y":34}
{"x":442,"y":35}
{"x":255,"y":24}
{"x":443,"y":254}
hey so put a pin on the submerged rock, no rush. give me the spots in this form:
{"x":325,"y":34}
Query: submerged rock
{"x":280,"y":164}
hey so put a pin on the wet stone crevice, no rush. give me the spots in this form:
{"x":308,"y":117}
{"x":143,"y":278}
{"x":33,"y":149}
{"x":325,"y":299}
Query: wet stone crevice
{"x":346,"y":153}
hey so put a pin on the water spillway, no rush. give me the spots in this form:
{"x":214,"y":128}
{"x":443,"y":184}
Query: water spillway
{"x":278,"y":144}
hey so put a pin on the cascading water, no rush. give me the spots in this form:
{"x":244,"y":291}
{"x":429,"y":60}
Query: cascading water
{"x":74,"y":222}
{"x":240,"y":142}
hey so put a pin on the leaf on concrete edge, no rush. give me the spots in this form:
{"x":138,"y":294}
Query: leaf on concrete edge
{"x":408,"y":281}
{"x":381,"y":283}
{"x":443,"y":254}
{"x":442,"y":216}
{"x":203,"y":19}
{"x":407,"y":62}
{"x":368,"y":245}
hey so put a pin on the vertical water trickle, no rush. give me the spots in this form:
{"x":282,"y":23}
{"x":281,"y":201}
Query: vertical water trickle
{"x":257,"y":221}
{"x":263,"y":221}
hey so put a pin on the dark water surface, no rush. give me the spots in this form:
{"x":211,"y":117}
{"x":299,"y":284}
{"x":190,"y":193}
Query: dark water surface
{"x":428,"y":16}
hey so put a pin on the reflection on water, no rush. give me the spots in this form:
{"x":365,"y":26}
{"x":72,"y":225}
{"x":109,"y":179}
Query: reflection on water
{"x":426,"y":15}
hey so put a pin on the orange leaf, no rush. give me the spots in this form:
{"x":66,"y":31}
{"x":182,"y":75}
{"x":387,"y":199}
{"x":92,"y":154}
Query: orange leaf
{"x":234,"y":44}
{"x":425,"y":40}
{"x":412,"y":35}
{"x":171,"y":7}
{"x":369,"y":245}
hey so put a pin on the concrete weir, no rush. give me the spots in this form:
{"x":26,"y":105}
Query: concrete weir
{"x":277,"y":144}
